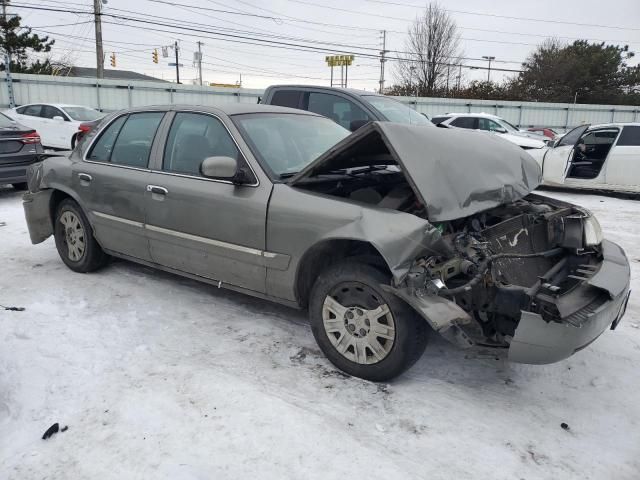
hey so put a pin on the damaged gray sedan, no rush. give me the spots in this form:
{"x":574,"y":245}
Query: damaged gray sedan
{"x":384,"y":235}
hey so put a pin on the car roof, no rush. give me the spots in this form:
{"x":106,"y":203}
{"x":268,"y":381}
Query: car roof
{"x":228,"y":109}
{"x":352,"y":91}
{"x":59,"y":105}
{"x":481,"y":114}
{"x":614,"y":124}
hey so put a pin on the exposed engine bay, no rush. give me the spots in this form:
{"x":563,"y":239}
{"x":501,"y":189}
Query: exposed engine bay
{"x":531,"y":255}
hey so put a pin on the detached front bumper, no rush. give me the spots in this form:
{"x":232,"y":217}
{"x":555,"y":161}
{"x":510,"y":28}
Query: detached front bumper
{"x":537,"y":341}
{"x":36,"y":211}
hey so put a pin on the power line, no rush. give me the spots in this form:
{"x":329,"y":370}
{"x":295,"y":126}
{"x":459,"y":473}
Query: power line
{"x":464,"y":12}
{"x":237,"y":38}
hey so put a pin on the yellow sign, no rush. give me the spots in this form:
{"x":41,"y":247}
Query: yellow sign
{"x":339,"y":60}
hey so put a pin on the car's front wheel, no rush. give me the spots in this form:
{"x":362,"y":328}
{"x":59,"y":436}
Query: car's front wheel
{"x":76,"y":245}
{"x":362,"y":329}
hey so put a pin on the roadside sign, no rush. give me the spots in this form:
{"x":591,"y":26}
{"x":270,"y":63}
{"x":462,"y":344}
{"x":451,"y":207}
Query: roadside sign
{"x":173,"y":64}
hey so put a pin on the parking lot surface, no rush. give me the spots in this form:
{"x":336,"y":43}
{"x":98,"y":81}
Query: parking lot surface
{"x":161,"y":377}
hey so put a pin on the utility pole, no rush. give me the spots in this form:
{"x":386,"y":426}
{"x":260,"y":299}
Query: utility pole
{"x":7,"y":62}
{"x":489,"y":71}
{"x":199,"y":61}
{"x":99,"y":53}
{"x":382,"y":60}
{"x":175,"y":47}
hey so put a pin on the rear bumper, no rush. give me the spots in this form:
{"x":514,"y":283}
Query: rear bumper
{"x":16,"y":171}
{"x":36,"y":211}
{"x":538,"y":342}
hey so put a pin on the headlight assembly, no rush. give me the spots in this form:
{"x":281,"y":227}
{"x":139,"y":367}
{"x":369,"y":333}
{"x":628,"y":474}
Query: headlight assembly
{"x":592,"y":231}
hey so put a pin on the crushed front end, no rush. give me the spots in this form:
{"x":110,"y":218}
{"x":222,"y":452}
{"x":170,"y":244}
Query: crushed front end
{"x":533,"y":276}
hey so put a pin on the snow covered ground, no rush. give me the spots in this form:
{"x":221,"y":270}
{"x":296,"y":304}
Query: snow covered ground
{"x":163,"y":378}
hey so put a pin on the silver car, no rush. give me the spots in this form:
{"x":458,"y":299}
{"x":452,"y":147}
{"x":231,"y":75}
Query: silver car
{"x":384,"y":235}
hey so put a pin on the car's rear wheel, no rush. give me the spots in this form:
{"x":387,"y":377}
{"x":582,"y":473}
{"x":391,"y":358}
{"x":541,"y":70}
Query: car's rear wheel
{"x":76,"y":245}
{"x":362,"y":329}
{"x":20,"y":186}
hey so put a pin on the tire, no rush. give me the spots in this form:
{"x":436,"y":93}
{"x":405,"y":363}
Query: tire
{"x":76,"y":245}
{"x":73,"y":141}
{"x":360,"y":336}
{"x":20,"y":186}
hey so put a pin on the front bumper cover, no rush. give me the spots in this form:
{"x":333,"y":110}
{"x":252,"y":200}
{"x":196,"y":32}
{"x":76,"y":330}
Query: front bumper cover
{"x":539,"y":342}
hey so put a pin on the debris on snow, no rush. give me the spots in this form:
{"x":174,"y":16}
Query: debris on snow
{"x":53,"y":429}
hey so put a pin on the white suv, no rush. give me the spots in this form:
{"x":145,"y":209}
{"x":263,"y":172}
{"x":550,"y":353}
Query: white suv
{"x":490,"y":123}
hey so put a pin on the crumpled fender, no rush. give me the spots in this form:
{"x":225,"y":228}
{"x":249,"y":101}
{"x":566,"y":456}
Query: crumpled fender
{"x":399,"y":237}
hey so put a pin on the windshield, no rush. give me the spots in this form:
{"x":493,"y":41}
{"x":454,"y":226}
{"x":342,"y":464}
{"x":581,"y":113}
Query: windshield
{"x":5,"y":121}
{"x":395,"y":111}
{"x":83,"y":114}
{"x":286,"y":143}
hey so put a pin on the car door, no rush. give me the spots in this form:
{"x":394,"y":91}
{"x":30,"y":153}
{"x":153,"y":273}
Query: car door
{"x":622,"y":167}
{"x":556,"y":162}
{"x":112,"y":179}
{"x":206,"y":227}
{"x":53,"y":121}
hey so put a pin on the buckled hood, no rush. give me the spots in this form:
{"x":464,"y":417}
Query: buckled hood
{"x":454,"y":172}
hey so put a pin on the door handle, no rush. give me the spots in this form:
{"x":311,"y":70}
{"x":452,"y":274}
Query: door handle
{"x":157,"y":189}
{"x":85,"y":179}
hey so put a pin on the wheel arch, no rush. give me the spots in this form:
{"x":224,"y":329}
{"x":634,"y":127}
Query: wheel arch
{"x":328,"y":252}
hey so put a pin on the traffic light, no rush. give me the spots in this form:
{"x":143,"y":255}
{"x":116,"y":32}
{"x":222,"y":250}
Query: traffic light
{"x":113,"y":59}
{"x":154,"y":55}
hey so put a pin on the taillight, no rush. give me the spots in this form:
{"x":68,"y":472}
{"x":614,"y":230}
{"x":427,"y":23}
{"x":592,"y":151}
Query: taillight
{"x":31,"y":137}
{"x":84,"y":127}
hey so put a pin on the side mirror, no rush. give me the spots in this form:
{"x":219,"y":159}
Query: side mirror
{"x":224,"y":168}
{"x":501,"y":130}
{"x":58,"y":118}
{"x":356,"y":124}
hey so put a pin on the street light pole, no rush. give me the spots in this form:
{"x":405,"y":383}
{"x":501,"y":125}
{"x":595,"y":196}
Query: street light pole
{"x":489,"y":71}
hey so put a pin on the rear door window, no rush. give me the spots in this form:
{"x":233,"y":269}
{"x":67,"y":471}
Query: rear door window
{"x":286,"y":98}
{"x":465,"y":122}
{"x":338,"y":109}
{"x":133,"y":145}
{"x":630,"y":136}
{"x":194,"y":137}
{"x":31,"y":110}
{"x":101,"y":150}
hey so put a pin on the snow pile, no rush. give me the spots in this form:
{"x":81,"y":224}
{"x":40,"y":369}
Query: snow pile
{"x":161,"y":377}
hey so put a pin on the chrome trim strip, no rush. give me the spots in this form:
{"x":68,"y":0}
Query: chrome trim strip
{"x":208,"y":241}
{"x":118,"y":219}
{"x":277,"y":261}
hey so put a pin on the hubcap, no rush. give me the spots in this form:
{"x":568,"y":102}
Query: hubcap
{"x":73,"y":235}
{"x":358,"y":323}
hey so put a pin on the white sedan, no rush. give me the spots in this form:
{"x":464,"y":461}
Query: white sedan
{"x":599,"y":157}
{"x":57,"y":124}
{"x":490,"y":123}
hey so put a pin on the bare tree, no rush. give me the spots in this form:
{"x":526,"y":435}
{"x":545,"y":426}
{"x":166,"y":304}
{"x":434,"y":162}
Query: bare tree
{"x":432,"y":54}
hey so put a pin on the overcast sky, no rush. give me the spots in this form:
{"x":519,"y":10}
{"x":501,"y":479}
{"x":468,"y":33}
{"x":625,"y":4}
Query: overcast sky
{"x":315,"y":22}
